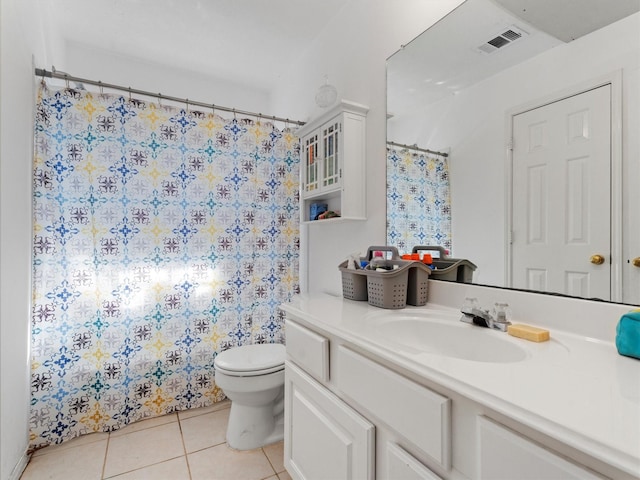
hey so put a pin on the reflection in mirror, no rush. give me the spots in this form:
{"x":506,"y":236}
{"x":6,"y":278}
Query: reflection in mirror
{"x":503,"y":90}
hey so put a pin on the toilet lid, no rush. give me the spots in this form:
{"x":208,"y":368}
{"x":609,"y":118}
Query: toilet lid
{"x":252,"y":358}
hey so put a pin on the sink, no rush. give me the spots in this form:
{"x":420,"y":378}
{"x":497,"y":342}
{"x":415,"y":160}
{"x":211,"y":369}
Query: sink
{"x":425,"y":333}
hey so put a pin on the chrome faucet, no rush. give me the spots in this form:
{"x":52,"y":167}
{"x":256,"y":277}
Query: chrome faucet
{"x":498,"y":319}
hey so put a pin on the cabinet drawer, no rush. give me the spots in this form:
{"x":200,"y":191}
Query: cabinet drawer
{"x":309,"y":350}
{"x":401,"y":464}
{"x":504,"y":453}
{"x":421,"y":416}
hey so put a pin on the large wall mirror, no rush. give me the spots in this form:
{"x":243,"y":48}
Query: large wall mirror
{"x":537,"y":106}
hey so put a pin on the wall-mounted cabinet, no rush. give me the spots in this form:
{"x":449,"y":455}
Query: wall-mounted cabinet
{"x":332,"y":164}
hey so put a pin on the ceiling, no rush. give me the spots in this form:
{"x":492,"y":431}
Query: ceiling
{"x":570,"y":19}
{"x":445,"y":59}
{"x":204,"y":36}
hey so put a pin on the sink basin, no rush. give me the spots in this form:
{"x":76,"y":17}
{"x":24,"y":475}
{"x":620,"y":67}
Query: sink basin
{"x":451,"y":338}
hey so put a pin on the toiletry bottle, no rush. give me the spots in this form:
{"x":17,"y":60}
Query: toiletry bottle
{"x":427,"y":259}
{"x":378,"y":262}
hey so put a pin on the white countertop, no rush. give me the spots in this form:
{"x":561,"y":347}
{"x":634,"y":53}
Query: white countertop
{"x":575,"y":389}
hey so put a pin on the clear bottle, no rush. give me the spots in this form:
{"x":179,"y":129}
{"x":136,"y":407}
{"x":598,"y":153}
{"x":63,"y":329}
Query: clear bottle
{"x":378,"y":262}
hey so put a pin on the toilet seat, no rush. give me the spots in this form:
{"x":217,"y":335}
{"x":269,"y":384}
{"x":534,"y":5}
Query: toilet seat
{"x":251,"y":360}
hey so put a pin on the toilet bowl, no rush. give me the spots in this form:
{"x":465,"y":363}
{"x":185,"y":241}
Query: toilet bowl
{"x":252,"y":377}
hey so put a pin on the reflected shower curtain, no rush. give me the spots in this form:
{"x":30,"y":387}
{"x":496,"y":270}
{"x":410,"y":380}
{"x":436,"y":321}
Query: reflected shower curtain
{"x":418,"y":200}
{"x":162,"y":236}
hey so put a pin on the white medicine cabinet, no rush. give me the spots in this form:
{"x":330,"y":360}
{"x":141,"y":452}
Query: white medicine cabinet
{"x":332,"y":164}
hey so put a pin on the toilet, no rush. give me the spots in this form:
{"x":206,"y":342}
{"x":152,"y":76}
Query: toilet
{"x":252,"y":377}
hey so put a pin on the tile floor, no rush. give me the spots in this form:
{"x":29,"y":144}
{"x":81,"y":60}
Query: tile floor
{"x":186,"y":445}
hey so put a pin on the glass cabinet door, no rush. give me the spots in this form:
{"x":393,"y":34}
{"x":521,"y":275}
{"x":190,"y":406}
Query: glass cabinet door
{"x":331,"y":161}
{"x":311,"y":163}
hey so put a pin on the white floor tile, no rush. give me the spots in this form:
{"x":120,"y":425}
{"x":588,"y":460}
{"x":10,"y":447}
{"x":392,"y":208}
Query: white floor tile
{"x":147,"y":423}
{"x":204,"y":431}
{"x":284,"y":476}
{"x":200,"y":411}
{"x":275,"y":454}
{"x":143,"y":448}
{"x":175,"y":469}
{"x":224,"y":463}
{"x":83,"y":462}
{"x":155,"y":449}
{"x":74,"y":442}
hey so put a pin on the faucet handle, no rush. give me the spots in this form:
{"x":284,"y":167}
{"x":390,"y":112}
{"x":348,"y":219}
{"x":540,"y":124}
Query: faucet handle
{"x":470,"y":304}
{"x":501,"y":316}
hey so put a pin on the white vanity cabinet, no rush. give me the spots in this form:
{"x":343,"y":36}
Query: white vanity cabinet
{"x":332,"y":166}
{"x":333,"y":421}
{"x":352,"y":412}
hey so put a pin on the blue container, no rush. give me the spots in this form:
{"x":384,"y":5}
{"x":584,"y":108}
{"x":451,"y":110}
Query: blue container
{"x":316,"y":209}
{"x":628,"y":334}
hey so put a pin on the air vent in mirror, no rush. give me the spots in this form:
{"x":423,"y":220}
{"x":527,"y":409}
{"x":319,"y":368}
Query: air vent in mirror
{"x":505,"y":37}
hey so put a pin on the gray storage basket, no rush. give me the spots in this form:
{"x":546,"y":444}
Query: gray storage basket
{"x":388,"y":289}
{"x":393,"y":289}
{"x":446,"y":268}
{"x":418,"y":284}
{"x":354,"y":283}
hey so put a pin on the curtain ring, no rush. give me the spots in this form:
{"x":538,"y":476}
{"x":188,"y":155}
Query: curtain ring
{"x":129,"y":94}
{"x":234,"y":114}
{"x":66,"y":80}
{"x":160,"y":99}
{"x":186,"y":101}
{"x":213,"y":109}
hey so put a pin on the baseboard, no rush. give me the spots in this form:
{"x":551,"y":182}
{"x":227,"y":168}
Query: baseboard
{"x":20,"y":466}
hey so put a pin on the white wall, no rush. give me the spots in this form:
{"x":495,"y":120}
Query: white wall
{"x":96,"y":64}
{"x":353,"y":54}
{"x":18,"y":42}
{"x":472,"y":124}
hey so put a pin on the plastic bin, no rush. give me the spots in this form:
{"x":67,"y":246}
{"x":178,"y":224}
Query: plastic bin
{"x":354,"y":283}
{"x":447,"y":268}
{"x":393,"y":289}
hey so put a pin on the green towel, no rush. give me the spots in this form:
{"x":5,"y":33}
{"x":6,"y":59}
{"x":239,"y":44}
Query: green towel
{"x":628,"y":334}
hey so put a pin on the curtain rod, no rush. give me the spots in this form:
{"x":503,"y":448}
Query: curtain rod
{"x":417,"y":148}
{"x":39,"y":72}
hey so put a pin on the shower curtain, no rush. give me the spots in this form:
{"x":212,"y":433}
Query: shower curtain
{"x":162,"y":236}
{"x":418,"y":200}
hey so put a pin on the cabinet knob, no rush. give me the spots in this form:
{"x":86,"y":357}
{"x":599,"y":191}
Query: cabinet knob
{"x":597,"y":259}
{"x":636,"y":262}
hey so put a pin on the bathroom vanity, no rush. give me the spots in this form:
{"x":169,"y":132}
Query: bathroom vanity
{"x":417,"y":394}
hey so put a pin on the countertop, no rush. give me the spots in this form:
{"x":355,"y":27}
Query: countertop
{"x":575,"y":389}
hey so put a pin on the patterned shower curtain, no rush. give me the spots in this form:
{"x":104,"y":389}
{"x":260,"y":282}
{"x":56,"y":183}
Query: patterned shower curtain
{"x":418,"y":200}
{"x":162,"y":236}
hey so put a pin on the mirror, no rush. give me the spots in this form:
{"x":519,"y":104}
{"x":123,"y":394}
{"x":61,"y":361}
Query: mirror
{"x":457,"y":89}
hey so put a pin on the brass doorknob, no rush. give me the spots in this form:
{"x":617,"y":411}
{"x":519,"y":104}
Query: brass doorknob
{"x":597,"y":259}
{"x":636,"y":262}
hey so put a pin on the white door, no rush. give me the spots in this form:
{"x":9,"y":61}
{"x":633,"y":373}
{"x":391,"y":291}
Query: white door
{"x":562,"y":196}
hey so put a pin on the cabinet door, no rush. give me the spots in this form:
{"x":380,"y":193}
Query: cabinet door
{"x":310,"y":170}
{"x":324,"y":438}
{"x":331,"y":134}
{"x":505,"y":454}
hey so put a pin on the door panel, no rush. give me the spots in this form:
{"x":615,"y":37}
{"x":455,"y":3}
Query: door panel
{"x":562,"y":196}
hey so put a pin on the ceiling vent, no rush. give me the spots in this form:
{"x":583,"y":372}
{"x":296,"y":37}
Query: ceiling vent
{"x":506,"y":37}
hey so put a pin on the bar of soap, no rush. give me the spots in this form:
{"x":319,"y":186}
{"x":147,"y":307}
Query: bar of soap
{"x":528,"y":332}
